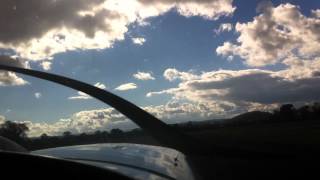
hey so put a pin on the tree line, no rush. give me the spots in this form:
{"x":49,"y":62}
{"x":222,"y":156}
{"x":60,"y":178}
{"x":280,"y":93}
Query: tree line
{"x":286,"y":113}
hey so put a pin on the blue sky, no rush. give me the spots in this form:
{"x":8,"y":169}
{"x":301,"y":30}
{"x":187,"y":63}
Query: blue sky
{"x":172,"y":40}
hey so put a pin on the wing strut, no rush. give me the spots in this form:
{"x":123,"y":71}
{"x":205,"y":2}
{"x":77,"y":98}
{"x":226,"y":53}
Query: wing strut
{"x":163,"y":133}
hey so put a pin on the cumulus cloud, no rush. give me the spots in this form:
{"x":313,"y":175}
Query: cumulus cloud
{"x":9,"y":78}
{"x":84,"y":96}
{"x":126,"y":87}
{"x":143,"y":76}
{"x":226,"y":27}
{"x":172,"y":74}
{"x":210,"y":9}
{"x":298,"y":68}
{"x":37,"y":95}
{"x":139,"y":40}
{"x":251,"y":86}
{"x":39,"y":29}
{"x":86,"y":121}
{"x":273,"y":35}
{"x":107,"y":119}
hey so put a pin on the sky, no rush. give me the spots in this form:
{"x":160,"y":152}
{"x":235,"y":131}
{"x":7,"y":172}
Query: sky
{"x":179,"y":60}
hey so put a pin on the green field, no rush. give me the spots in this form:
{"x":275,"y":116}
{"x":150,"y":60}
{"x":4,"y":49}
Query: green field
{"x":286,"y":136}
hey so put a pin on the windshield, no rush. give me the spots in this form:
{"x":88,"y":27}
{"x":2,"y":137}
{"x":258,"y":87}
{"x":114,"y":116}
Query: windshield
{"x":225,"y":71}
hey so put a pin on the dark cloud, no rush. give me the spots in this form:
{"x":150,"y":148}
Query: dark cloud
{"x":262,"y":88}
{"x":8,"y":61}
{"x":39,"y":29}
{"x":21,"y":21}
{"x":248,"y":87}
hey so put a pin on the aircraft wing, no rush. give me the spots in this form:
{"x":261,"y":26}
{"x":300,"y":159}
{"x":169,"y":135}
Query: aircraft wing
{"x":137,"y":161}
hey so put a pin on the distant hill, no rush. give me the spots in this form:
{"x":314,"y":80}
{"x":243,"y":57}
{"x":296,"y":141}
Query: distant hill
{"x":252,"y":117}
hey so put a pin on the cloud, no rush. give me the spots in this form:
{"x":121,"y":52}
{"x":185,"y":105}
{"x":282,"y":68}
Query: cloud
{"x":250,"y":86}
{"x":172,"y":74}
{"x":84,"y":96}
{"x":226,"y":27}
{"x":37,"y":95}
{"x":209,"y":9}
{"x":143,"y":76}
{"x":139,"y":40}
{"x":9,"y":78}
{"x":106,"y":119}
{"x":126,"y":87}
{"x":300,"y":68}
{"x":278,"y":32}
{"x":87,"y":121}
{"x":12,"y":61}
{"x":316,"y":13}
{"x":2,"y":119}
{"x":100,"y":85}
{"x":40,"y":29}
{"x":46,"y":65}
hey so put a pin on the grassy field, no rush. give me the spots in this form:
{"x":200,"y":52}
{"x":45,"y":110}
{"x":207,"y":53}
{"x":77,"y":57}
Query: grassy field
{"x":288,"y":136}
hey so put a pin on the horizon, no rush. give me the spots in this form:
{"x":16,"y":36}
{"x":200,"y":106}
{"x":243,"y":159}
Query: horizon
{"x":180,"y":61}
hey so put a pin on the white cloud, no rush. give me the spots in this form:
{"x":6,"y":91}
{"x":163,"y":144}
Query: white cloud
{"x":226,"y":27}
{"x":139,"y":40}
{"x":37,"y":95}
{"x":316,"y":13}
{"x":143,"y":76}
{"x":210,"y":9}
{"x":83,"y":96}
{"x":46,"y":65}
{"x":172,"y":74}
{"x":107,"y":119}
{"x":300,"y":68}
{"x":44,"y":28}
{"x":100,"y":85}
{"x":126,"y":87}
{"x":278,"y":32}
{"x":9,"y":78}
